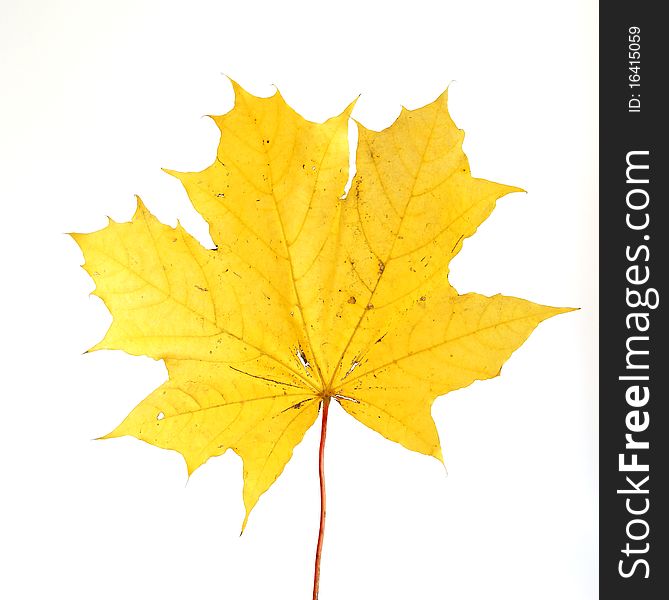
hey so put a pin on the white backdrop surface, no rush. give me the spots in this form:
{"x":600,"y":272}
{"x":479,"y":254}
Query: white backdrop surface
{"x":97,"y":97}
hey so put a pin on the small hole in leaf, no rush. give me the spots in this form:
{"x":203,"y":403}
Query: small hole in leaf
{"x":302,"y":357}
{"x":160,"y":416}
{"x":352,"y":147}
{"x":355,"y":364}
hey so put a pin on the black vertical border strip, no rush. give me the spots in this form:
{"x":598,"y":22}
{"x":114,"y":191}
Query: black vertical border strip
{"x":620,"y":132}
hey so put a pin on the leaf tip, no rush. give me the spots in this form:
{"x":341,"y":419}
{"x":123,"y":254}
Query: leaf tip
{"x":192,"y":464}
{"x":362,"y":130}
{"x":171,"y":172}
{"x":244,"y":523}
{"x":505,"y":190}
{"x":443,"y":97}
{"x":140,"y":210}
{"x":277,"y":94}
{"x":99,"y":345}
{"x":349,"y":109}
{"x":241,"y":95}
{"x":231,"y":80}
{"x":108,"y":436}
{"x":559,"y":310}
{"x":77,"y":237}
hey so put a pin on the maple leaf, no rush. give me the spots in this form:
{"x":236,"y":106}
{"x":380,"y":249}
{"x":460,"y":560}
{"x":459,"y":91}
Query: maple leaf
{"x":308,"y":298}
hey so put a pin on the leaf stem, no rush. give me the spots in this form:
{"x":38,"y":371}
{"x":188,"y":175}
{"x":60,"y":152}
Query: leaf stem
{"x":321,"y":475}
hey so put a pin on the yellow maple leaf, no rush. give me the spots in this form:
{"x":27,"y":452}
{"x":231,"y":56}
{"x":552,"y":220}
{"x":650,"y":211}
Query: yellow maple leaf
{"x":309,"y":296}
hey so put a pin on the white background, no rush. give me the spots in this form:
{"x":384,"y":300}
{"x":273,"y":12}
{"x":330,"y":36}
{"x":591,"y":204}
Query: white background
{"x":95,"y":97}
